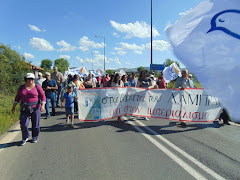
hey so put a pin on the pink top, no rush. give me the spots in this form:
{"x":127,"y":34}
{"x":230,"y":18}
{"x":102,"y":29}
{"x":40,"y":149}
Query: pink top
{"x":105,"y":80}
{"x":29,"y":96}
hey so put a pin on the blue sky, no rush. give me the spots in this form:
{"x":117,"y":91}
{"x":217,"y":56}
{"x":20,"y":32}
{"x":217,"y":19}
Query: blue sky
{"x":51,"y":29}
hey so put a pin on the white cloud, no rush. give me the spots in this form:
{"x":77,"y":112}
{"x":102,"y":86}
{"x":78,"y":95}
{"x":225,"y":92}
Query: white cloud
{"x":79,"y":59}
{"x":137,"y":29}
{"x":85,"y":43}
{"x":138,"y":52}
{"x":28,"y":55}
{"x":65,"y":57}
{"x":66,"y":46}
{"x":35,"y":28}
{"x":158,"y":45}
{"x":126,"y":63}
{"x":41,"y":44}
{"x":116,"y":60}
{"x":19,"y":47}
{"x":121,"y":53}
{"x":96,"y":52}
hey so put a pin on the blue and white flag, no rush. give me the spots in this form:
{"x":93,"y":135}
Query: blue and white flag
{"x":122,"y":72}
{"x":82,"y":71}
{"x":171,"y":72}
{"x":100,"y":72}
{"x":207,"y":41}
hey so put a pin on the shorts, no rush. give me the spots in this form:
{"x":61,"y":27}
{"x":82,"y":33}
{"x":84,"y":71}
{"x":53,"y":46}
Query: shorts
{"x":69,"y":110}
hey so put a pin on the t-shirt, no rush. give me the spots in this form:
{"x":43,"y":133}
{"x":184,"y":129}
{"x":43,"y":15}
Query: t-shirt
{"x":69,"y":99}
{"x":40,"y":81}
{"x":58,"y":77}
{"x":126,"y":84}
{"x":183,"y":83}
{"x":133,"y":82}
{"x":51,"y":83}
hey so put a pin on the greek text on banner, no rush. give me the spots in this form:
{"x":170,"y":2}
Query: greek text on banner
{"x":193,"y":105}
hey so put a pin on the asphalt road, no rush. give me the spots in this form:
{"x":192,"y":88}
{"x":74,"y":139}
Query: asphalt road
{"x":133,"y":149}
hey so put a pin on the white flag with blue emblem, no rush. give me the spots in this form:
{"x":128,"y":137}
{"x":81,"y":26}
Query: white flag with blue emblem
{"x":82,"y":71}
{"x":207,"y":41}
{"x":100,"y":72}
{"x":171,"y":72}
{"x":122,"y":72}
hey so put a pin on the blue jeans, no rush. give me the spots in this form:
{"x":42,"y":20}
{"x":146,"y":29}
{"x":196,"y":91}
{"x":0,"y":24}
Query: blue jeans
{"x":51,"y":97}
{"x":59,"y":94}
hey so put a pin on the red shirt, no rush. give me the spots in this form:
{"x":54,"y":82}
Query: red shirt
{"x":105,"y":80}
{"x":162,"y":83}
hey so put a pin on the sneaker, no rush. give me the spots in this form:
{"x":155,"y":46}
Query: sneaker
{"x":34,"y":140}
{"x":23,"y":142}
{"x":146,"y":118}
{"x":119,"y":119}
{"x":183,"y":124}
{"x":47,"y":117}
{"x":72,"y":126}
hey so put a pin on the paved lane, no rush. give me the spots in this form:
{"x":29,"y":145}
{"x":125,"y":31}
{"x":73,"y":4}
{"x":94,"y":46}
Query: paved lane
{"x":113,"y":150}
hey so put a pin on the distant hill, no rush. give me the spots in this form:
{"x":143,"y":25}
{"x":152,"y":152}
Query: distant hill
{"x":129,"y":70}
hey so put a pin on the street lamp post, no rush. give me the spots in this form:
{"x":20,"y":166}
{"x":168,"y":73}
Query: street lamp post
{"x":104,"y":48}
{"x":151,"y":31}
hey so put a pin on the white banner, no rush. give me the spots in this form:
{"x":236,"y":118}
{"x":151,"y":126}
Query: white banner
{"x":193,"y":105}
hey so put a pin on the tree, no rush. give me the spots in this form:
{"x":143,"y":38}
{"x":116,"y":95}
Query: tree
{"x":13,"y":69}
{"x":168,"y":62}
{"x":62,"y":64}
{"x":110,"y":72}
{"x":46,"y":64}
{"x":140,"y":68}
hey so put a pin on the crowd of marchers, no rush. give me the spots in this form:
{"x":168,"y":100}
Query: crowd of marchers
{"x":37,"y":93}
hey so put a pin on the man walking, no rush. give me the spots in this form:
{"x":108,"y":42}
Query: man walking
{"x":49,"y":86}
{"x":183,"y":82}
{"x":58,"y":77}
{"x":40,"y":79}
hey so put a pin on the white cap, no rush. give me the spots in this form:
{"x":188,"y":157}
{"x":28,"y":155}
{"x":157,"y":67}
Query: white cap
{"x":30,"y":75}
{"x":40,"y":73}
{"x":151,"y":76}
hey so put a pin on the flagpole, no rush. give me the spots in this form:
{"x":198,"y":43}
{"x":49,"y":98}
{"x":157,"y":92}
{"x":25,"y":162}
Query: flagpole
{"x":151,"y":31}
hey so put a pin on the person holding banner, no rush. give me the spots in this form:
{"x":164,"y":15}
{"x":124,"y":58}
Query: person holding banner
{"x":183,"y":82}
{"x":161,"y":82}
{"x":126,"y":83}
{"x":117,"y":82}
{"x":145,"y":82}
{"x":89,"y":82}
{"x":133,"y":81}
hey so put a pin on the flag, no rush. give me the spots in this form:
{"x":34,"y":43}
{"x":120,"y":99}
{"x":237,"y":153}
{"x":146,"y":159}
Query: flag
{"x":100,"y":72}
{"x":171,"y":72}
{"x":122,"y":72}
{"x":207,"y":41}
{"x":82,"y":71}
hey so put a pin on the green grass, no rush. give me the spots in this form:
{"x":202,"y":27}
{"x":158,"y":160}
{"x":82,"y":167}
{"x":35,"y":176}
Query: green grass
{"x":7,"y":119}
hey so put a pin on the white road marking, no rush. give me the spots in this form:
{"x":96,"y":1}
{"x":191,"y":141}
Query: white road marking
{"x":174,"y":157}
{"x":192,"y":159}
{"x":9,"y":137}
